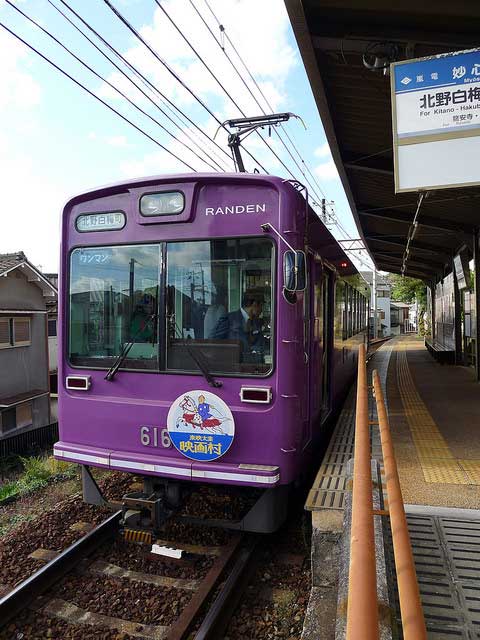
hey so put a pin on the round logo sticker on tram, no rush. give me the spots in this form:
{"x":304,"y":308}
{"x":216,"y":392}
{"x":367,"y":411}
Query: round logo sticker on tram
{"x":200,"y":425}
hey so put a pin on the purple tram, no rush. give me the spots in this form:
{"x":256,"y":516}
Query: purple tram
{"x":210,"y":329}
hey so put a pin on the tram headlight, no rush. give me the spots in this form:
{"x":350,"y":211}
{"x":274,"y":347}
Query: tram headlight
{"x":162,"y":204}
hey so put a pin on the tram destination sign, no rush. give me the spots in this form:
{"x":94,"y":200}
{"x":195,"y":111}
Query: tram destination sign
{"x":436,"y":121}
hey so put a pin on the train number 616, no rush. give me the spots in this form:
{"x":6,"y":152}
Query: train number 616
{"x":149,"y":437}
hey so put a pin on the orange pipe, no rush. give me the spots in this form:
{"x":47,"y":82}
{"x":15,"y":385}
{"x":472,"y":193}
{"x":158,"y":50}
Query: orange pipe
{"x":413,"y":622}
{"x":362,"y":607}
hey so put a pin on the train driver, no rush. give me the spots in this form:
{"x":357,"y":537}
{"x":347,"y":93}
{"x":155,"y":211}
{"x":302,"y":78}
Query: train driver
{"x":245,"y":326}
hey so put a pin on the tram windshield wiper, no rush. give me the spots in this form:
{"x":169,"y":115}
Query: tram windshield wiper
{"x":117,"y":363}
{"x":198,"y":358}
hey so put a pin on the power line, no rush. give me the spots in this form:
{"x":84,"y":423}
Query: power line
{"x":100,"y":77}
{"x":167,"y":102}
{"x":162,"y":8}
{"x":91,"y":93}
{"x":223,"y":32}
{"x":121,"y":71}
{"x":246,"y":84}
{"x":171,"y":71}
{"x":252,"y":77}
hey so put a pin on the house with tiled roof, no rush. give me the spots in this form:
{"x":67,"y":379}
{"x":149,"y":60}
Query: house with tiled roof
{"x":25,"y":294}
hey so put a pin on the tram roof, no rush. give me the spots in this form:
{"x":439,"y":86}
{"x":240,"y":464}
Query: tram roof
{"x":322,"y":239}
{"x":355,"y":106}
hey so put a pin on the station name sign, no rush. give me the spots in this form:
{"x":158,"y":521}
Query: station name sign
{"x":436,"y":121}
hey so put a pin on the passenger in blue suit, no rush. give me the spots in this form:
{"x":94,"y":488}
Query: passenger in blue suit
{"x":245,"y":326}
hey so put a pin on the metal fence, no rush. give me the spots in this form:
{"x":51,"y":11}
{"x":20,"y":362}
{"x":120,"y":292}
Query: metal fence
{"x":29,"y":441}
{"x":362,"y":608}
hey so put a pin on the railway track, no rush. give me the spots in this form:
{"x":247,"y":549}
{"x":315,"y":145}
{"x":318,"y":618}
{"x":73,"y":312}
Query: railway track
{"x":202,"y":604}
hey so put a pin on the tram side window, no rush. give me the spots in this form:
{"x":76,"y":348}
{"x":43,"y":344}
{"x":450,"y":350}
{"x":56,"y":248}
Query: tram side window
{"x":114,"y":305}
{"x":355,"y":311}
{"x":349,"y":306}
{"x":340,"y":313}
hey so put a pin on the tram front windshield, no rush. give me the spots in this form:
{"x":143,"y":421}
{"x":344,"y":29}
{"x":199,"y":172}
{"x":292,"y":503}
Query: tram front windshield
{"x":213,"y":302}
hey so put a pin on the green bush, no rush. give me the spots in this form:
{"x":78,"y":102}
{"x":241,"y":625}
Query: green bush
{"x":27,"y":486}
{"x":36,"y":468}
{"x":37,"y":473}
{"x":8,"y":490}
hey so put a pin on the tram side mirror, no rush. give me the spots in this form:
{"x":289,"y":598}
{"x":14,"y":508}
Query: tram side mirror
{"x":294,"y":276}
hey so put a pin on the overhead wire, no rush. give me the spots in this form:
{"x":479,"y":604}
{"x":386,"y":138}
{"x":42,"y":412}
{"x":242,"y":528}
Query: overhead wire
{"x":222,"y":47}
{"x":169,"y":104}
{"x":94,"y":95}
{"x":131,"y":28}
{"x":107,"y":82}
{"x":224,"y":33}
{"x":253,"y":79}
{"x":220,"y":84}
{"x":125,"y":75}
{"x":115,"y":88}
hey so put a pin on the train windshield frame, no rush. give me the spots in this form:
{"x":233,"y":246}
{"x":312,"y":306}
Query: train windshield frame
{"x":176,"y":302}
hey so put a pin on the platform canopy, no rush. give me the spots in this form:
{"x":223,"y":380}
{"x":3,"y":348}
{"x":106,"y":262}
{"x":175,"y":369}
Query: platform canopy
{"x":339,"y":40}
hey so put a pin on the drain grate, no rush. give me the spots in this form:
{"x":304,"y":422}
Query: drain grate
{"x":447,"y":560}
{"x":328,"y":490}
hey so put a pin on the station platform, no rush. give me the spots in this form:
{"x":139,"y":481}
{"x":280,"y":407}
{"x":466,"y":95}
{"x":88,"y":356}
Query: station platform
{"x":434,"y":413}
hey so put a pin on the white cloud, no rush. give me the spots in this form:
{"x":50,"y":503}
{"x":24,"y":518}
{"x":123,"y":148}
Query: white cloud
{"x":117,"y":141}
{"x":323,"y":151}
{"x":30,"y":204}
{"x":30,"y":216}
{"x":266,"y":51}
{"x":326,"y":171}
{"x":17,"y":88}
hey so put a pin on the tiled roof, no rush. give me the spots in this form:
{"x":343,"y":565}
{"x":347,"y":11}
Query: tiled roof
{"x":9,"y":260}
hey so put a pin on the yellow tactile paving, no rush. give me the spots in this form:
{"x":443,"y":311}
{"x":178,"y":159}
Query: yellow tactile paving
{"x":472,"y":468}
{"x":427,"y":453}
{"x":444,"y":472}
{"x":435,"y":457}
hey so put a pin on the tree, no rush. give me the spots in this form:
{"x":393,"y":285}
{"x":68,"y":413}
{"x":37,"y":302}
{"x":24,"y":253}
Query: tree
{"x":405,"y":289}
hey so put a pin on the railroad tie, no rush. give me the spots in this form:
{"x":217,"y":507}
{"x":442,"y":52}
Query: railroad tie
{"x":72,"y":614}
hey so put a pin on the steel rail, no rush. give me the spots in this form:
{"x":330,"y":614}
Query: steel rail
{"x":219,"y":614}
{"x":413,"y":621}
{"x":36,"y":584}
{"x":362,"y":606}
{"x":181,"y":628}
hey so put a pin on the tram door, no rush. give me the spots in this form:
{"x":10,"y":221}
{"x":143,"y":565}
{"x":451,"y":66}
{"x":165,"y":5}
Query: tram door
{"x":319,"y":336}
{"x":327,"y":279}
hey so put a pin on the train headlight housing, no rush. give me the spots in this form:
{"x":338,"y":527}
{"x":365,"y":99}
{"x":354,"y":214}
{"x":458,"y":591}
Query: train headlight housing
{"x":162,"y":204}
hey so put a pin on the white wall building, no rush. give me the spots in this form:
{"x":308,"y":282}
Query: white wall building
{"x":382,"y":304}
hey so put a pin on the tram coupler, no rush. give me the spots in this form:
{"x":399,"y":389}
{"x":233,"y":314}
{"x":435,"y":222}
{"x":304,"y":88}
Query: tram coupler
{"x":144,"y":512}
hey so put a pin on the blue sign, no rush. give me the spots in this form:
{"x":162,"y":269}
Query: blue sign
{"x":200,"y":425}
{"x":437,"y":96}
{"x":443,"y":71}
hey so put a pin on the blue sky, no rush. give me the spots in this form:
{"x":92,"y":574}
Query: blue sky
{"x":57,"y":141}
